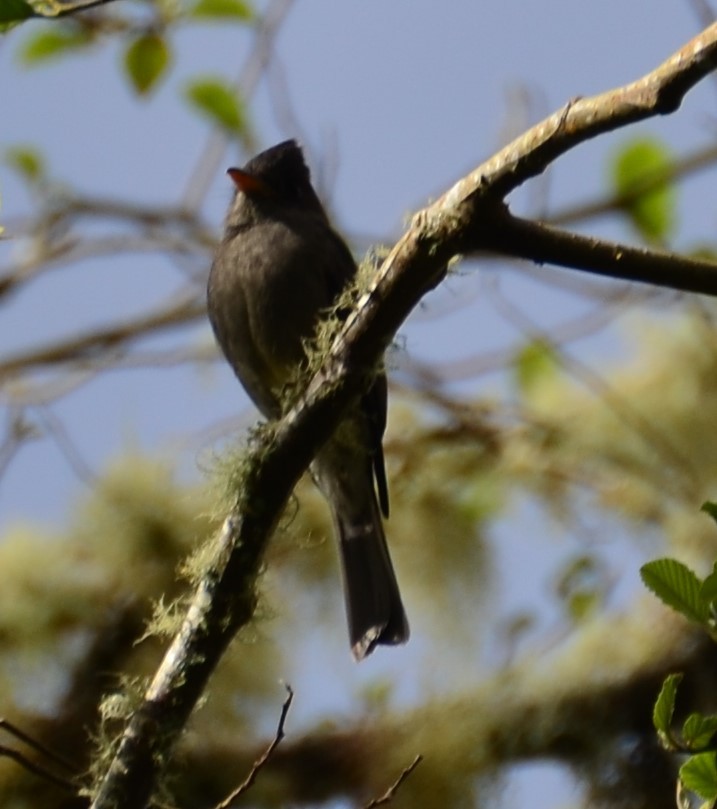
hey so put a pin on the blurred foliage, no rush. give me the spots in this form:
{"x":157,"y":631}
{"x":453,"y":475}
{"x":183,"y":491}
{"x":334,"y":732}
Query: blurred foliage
{"x":52,"y":42}
{"x":651,"y":212}
{"x":216,"y":100}
{"x":13,"y":12}
{"x":128,"y":538}
{"x":26,"y":161}
{"x":146,"y":60}
{"x":147,"y":50}
{"x":534,"y":361}
{"x":222,"y":10}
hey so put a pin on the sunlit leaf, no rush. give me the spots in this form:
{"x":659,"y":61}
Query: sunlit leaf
{"x":146,"y":60}
{"x":698,"y":730}
{"x":51,"y":43}
{"x":533,"y":364}
{"x":217,"y":101}
{"x":665,"y":706}
{"x":25,"y":161}
{"x":652,"y":212}
{"x":676,"y":585}
{"x":710,"y":508}
{"x":708,"y":591}
{"x":699,"y":775}
{"x":222,"y":9}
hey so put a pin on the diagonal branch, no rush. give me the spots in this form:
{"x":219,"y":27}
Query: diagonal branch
{"x":87,"y":347}
{"x":660,"y":92}
{"x":459,"y":221}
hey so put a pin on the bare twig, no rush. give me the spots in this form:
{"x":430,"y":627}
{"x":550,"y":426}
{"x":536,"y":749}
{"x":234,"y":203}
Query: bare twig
{"x":260,"y":763}
{"x":18,"y":430}
{"x":703,"y":10}
{"x":86,"y":347}
{"x":390,"y":793}
{"x":51,"y":755}
{"x":32,"y":766}
{"x":36,"y":769}
{"x":70,"y":452}
{"x":73,"y":250}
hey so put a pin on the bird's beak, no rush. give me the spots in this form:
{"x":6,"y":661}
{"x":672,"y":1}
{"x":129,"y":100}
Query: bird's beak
{"x":252,"y":186}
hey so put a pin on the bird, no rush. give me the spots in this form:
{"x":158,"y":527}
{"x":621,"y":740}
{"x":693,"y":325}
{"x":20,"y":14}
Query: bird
{"x":280,"y":266}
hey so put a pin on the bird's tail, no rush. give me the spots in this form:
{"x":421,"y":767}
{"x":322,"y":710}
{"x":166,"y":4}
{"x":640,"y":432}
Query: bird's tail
{"x":373,"y":602}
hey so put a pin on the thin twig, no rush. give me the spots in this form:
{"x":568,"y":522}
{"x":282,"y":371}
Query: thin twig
{"x":32,"y":766}
{"x":261,"y":762}
{"x":74,"y":251}
{"x":18,"y":430}
{"x":70,"y":452}
{"x":89,"y":346}
{"x":14,"y":730}
{"x":36,"y":769}
{"x":390,"y":793}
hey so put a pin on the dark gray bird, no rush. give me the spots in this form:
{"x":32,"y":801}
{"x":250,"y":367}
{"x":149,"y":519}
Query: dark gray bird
{"x":279,"y":267}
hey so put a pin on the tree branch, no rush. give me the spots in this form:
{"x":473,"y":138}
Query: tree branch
{"x":54,"y":9}
{"x":86,"y":347}
{"x":521,"y":238}
{"x":660,"y":92}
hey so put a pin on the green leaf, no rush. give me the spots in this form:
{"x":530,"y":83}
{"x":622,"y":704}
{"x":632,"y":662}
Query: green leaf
{"x":222,"y":9}
{"x":14,"y":11}
{"x":699,"y":775}
{"x":665,"y":706}
{"x":698,"y":730}
{"x":26,"y":162}
{"x":51,"y":43}
{"x":652,"y":211}
{"x":532,"y":364}
{"x":708,"y":591}
{"x":677,"y":586}
{"x":146,"y":60}
{"x":218,"y":102}
{"x":710,"y":508}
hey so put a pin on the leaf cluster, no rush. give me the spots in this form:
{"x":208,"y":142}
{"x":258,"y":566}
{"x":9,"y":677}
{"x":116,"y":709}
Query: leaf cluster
{"x":695,"y":598}
{"x":146,"y":42}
